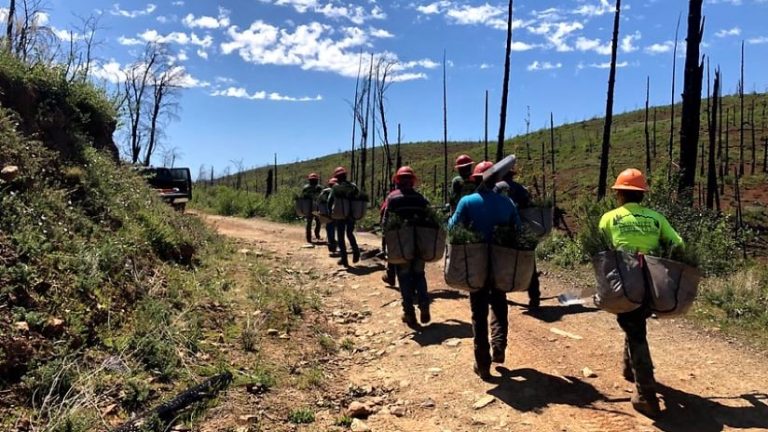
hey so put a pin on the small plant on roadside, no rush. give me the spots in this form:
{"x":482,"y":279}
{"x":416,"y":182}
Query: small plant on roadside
{"x":515,"y":238}
{"x":301,"y":416}
{"x":327,"y":343}
{"x":344,"y":421}
{"x":249,"y":337}
{"x":135,"y":394}
{"x":311,"y":378}
{"x":347,"y":344}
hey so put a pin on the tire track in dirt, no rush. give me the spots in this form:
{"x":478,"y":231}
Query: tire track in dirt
{"x":709,"y":384}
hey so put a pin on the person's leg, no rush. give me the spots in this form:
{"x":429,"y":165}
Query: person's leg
{"x":534,"y":290}
{"x":317,"y":228}
{"x":634,"y":325}
{"x":499,"y":324}
{"x":406,"y":277}
{"x":340,"y":233}
{"x":352,"y":240}
{"x":420,"y":287}
{"x":308,"y":230}
{"x":479,"y":303}
{"x":330,"y":232}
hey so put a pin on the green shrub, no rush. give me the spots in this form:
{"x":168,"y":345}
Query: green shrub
{"x":515,"y":238}
{"x":562,"y":251}
{"x":135,"y":394}
{"x":459,"y":235}
{"x":301,"y":416}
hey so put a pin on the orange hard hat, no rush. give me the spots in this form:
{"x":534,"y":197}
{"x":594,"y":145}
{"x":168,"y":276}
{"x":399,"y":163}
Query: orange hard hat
{"x":313,"y":176}
{"x":481,"y":168}
{"x":405,"y":171}
{"x":339,"y":171}
{"x":631,"y":179}
{"x":332,"y":181}
{"x":463,"y":161}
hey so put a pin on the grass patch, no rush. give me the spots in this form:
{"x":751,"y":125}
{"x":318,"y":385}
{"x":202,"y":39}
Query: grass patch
{"x":301,"y":416}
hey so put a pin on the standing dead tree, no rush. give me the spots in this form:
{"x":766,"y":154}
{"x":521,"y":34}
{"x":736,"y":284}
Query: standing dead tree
{"x":752,"y":132}
{"x":647,"y":132}
{"x":741,"y":113}
{"x":505,"y":86}
{"x":712,"y":192}
{"x":138,"y":79}
{"x":383,"y":69}
{"x":602,"y":181}
{"x":9,"y":26}
{"x":672,"y":106}
{"x":164,"y":103}
{"x":445,"y":134}
{"x":552,"y":157}
{"x":486,"y":127}
{"x":399,"y":156}
{"x":691,"y":116}
{"x":355,"y":119}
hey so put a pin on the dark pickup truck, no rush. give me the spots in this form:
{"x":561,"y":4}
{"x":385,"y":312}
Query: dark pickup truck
{"x":174,"y":185}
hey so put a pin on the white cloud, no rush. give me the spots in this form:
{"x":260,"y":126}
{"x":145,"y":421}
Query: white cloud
{"x":132,"y":13}
{"x":540,"y":66}
{"x":660,"y":48}
{"x":483,"y":14}
{"x":207,"y":22}
{"x":178,"y":3}
{"x":313,"y":46}
{"x":355,"y":13}
{"x":408,"y":76}
{"x":433,"y":8}
{"x":381,"y":33}
{"x":182,"y":56}
{"x":110,"y":71}
{"x":162,"y":19}
{"x":114,"y":72}
{"x":241,"y":93}
{"x":758,"y":40}
{"x":179,"y":38}
{"x":557,"y":34}
{"x":736,"y":31}
{"x":730,"y":2}
{"x":584,"y":44}
{"x":202,"y":54}
{"x":627,"y":42}
{"x":606,"y":65}
{"x":485,"y":66}
{"x":122,"y":40}
{"x":593,"y":10}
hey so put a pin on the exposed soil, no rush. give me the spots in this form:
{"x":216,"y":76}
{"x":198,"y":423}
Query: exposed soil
{"x":707,"y":383}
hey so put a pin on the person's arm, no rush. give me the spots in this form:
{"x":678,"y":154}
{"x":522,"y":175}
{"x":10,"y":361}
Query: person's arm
{"x":669,"y":234}
{"x":458,"y":215}
{"x":605,"y":229}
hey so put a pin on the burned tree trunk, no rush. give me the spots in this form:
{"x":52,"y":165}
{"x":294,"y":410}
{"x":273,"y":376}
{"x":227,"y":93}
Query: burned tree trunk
{"x":647,"y":132}
{"x":602,"y":181}
{"x":672,"y":107}
{"x":270,"y":183}
{"x":486,"y":126}
{"x":275,"y":189}
{"x":752,"y":132}
{"x":505,"y":87}
{"x":712,"y":169}
{"x":398,"y":157}
{"x":445,"y":135}
{"x":691,"y":117}
{"x":741,"y":111}
{"x":552,"y":156}
{"x":654,"y":133}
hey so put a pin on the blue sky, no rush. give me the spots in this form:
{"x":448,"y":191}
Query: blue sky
{"x":276,"y":76}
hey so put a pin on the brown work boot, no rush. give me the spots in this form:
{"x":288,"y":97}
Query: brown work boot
{"x":409,"y":318}
{"x":424,"y":315}
{"x":646,"y":403}
{"x":483,"y":372}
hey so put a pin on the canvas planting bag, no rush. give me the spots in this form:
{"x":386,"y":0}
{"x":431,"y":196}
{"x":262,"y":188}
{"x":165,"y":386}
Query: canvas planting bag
{"x":512,"y":268}
{"x":401,"y":245}
{"x":673,"y":286}
{"x":304,"y":207}
{"x":538,"y":219}
{"x":620,"y":281}
{"x":430,"y":243}
{"x":466,"y":266}
{"x":341,"y":209}
{"x":358,"y":208}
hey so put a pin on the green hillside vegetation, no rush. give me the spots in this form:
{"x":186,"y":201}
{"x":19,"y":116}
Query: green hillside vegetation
{"x":110,"y":302}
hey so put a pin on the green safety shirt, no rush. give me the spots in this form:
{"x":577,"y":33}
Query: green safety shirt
{"x":459,"y":189}
{"x":634,"y":228}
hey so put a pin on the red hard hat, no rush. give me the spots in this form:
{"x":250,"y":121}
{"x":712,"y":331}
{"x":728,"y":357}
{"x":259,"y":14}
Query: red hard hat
{"x":405,"y":171}
{"x":339,"y":171}
{"x":481,"y":168}
{"x":463,"y":161}
{"x":313,"y":176}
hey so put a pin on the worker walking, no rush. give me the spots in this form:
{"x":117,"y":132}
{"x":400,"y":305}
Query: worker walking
{"x":330,"y":227}
{"x":344,"y":189}
{"x":482,"y":211}
{"x":522,"y":198}
{"x":637,"y":229}
{"x":462,"y":185}
{"x":312,"y":190}
{"x":408,"y":205}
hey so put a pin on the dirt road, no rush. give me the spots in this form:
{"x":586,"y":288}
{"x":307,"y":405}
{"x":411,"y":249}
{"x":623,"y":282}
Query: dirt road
{"x":706,"y":383}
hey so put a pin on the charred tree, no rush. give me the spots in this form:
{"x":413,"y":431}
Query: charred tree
{"x":276,"y":178}
{"x":9,"y":26}
{"x":505,"y":87}
{"x":355,"y":109}
{"x":445,"y":134}
{"x":270,"y":183}
{"x":752,"y":132}
{"x":647,"y":131}
{"x":399,"y":157}
{"x":672,"y":106}
{"x":712,"y":169}
{"x":486,"y":127}
{"x":691,"y":116}
{"x":741,"y":113}
{"x":602,"y":181}
{"x":552,"y":157}
{"x":654,"y":133}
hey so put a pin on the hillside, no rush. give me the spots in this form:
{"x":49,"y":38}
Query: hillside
{"x":577,"y":154}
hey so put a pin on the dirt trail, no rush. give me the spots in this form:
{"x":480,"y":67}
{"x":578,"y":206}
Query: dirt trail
{"x":707,"y":383}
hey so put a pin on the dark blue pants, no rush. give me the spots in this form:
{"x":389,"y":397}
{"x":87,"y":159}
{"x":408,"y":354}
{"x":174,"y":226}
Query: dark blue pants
{"x":412,"y":281}
{"x":346,"y":228}
{"x":330,"y":232}
{"x":480,"y":302}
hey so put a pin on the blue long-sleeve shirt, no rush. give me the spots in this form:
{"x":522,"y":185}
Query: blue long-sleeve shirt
{"x":483,"y":211}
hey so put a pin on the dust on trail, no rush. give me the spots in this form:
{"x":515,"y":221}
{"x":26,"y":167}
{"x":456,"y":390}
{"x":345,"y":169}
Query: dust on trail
{"x":706,"y":383}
